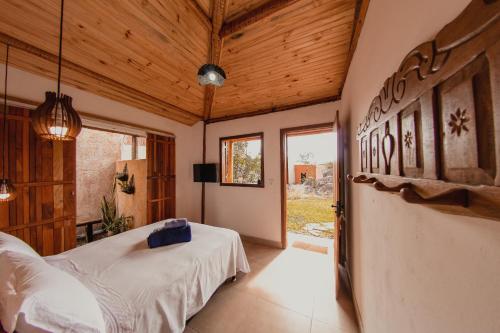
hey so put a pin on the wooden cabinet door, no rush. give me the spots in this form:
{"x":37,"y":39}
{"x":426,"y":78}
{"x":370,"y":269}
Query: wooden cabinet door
{"x":161,"y":177}
{"x":44,"y":174}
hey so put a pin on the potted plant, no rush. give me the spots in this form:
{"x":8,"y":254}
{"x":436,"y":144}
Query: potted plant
{"x":112,"y":222}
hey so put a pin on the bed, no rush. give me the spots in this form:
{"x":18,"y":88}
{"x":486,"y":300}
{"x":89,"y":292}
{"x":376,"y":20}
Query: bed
{"x":154,"y":290}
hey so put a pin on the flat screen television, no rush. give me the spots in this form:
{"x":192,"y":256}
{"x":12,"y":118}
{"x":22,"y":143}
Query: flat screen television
{"x":206,"y":173}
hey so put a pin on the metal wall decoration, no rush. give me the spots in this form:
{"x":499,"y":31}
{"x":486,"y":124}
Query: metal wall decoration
{"x":55,"y":118}
{"x":440,"y":113}
{"x":127,"y":185}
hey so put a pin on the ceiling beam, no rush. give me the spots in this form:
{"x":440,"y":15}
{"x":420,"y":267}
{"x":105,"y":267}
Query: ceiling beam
{"x":215,"y":52}
{"x":254,"y":16}
{"x":275,"y":109}
{"x":200,"y":14}
{"x":28,"y":103}
{"x":117,"y":91}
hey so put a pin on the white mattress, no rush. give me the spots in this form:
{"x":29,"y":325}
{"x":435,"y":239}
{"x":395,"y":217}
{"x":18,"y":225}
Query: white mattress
{"x":154,"y":290}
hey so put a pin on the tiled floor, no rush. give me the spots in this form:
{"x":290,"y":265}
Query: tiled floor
{"x":287,"y":291}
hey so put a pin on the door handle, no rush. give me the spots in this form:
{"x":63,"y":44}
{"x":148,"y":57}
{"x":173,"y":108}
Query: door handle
{"x":339,"y":207}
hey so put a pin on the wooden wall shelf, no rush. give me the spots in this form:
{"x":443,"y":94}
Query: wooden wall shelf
{"x":459,"y":199}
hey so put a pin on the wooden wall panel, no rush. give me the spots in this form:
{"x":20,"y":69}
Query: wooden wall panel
{"x":161,"y":178}
{"x":43,"y":172}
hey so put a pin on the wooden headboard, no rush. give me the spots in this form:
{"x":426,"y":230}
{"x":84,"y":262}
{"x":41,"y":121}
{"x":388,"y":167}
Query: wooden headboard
{"x":432,"y":134}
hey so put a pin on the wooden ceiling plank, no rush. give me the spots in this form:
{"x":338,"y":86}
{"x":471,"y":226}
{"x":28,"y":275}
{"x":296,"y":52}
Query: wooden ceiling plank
{"x":201,"y":14}
{"x":295,"y":69}
{"x":254,"y":16}
{"x":289,"y":58}
{"x":236,"y":8}
{"x":320,"y":20}
{"x":129,"y":45}
{"x":296,"y":55}
{"x":267,"y":96}
{"x":275,"y":109}
{"x":284,"y":41}
{"x":67,"y":65}
{"x":141,"y":62}
{"x":303,"y":55}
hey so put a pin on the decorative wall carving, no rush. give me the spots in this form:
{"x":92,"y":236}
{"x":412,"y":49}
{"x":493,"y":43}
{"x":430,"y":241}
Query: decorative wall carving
{"x":427,"y":59}
{"x":387,"y":148}
{"x":374,"y":156}
{"x":458,"y":121}
{"x":438,"y":116}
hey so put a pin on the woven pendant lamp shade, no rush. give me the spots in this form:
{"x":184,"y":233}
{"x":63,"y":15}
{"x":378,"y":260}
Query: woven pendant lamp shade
{"x":56,"y":119}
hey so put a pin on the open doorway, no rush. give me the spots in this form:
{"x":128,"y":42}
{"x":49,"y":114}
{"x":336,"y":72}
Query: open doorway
{"x":309,"y":155}
{"x":311,"y":205}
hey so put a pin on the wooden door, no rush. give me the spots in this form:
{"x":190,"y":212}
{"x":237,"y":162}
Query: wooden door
{"x":161,"y":177}
{"x":44,"y":174}
{"x":337,"y":204}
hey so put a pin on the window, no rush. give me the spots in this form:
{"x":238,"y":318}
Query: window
{"x":133,"y":147}
{"x":241,"y":160}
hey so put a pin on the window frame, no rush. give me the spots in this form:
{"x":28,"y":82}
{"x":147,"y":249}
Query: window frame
{"x":242,"y":136}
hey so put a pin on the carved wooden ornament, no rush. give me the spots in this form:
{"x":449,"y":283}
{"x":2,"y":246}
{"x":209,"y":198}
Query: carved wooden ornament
{"x":439,"y":113}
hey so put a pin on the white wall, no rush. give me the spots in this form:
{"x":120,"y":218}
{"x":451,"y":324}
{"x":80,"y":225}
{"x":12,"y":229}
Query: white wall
{"x":413,"y":269}
{"x":256,"y":212}
{"x":188,"y":139}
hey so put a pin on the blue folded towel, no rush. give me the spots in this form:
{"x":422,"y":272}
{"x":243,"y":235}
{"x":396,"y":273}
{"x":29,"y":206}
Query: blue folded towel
{"x":176,"y":223}
{"x":164,"y":236}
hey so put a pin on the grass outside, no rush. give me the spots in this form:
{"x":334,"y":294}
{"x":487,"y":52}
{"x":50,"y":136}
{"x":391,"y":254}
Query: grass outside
{"x":312,"y":210}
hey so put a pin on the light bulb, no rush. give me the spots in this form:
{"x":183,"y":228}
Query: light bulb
{"x":212,"y":76}
{"x":7,"y":192}
{"x":58,"y":130}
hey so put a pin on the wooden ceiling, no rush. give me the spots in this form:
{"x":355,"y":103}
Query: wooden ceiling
{"x":277,"y":53}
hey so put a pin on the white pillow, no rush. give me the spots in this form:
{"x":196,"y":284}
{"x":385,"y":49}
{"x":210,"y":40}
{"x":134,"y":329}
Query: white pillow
{"x":14,"y":244}
{"x":46,"y":297}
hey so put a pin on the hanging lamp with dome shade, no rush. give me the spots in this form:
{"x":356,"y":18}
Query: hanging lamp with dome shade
{"x":7,"y":190}
{"x":56,"y":119}
{"x":210,"y":74}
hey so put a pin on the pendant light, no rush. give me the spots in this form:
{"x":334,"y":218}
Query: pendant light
{"x":56,"y":119}
{"x":211,"y":74}
{"x":7,"y":190}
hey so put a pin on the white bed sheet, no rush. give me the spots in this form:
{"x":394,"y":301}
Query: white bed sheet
{"x":154,"y":290}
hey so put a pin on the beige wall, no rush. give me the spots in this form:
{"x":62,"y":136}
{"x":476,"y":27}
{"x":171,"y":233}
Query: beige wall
{"x":134,"y":204}
{"x":96,"y":156}
{"x":188,"y":138}
{"x":256,"y":212}
{"x":413,"y":269}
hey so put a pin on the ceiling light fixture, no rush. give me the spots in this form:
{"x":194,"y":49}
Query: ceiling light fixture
{"x":7,"y":190}
{"x":56,"y":119}
{"x":210,"y":74}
